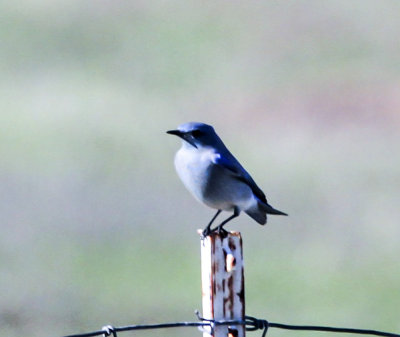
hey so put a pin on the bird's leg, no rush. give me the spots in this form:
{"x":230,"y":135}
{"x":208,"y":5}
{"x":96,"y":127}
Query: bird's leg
{"x":207,"y":231}
{"x":220,"y":228}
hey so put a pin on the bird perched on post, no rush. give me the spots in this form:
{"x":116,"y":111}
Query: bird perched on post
{"x":215,"y":178}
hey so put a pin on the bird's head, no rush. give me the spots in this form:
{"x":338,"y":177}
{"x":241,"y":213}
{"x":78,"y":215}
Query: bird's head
{"x":197,"y":134}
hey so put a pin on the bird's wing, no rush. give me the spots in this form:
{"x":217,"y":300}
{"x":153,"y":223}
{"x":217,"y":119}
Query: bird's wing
{"x":230,"y":163}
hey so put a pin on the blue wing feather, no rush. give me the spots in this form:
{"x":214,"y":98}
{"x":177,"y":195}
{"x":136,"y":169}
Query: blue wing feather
{"x":230,"y":163}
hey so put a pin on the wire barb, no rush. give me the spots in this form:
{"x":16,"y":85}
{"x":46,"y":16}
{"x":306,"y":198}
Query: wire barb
{"x":202,"y":319}
{"x":109,"y":329}
{"x":253,"y":324}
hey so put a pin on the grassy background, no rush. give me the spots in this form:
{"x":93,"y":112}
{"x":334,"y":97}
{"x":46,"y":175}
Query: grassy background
{"x":96,"y":228}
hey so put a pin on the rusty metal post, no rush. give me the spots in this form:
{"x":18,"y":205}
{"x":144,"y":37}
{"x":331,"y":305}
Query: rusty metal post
{"x":223,"y":282}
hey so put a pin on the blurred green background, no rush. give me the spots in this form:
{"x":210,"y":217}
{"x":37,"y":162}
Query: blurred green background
{"x":96,"y":227}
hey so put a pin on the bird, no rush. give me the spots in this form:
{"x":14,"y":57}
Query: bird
{"x":216,"y":178}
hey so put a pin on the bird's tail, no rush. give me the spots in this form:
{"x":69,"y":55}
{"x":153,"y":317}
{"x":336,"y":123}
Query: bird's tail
{"x":259,"y":212}
{"x":269,"y":209}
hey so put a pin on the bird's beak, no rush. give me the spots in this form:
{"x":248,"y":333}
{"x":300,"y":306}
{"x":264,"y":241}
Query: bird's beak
{"x":186,"y":137}
{"x":175,"y":132}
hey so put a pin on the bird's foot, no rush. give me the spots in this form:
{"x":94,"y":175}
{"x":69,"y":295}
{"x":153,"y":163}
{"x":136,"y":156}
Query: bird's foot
{"x":221,"y":231}
{"x":206,"y":232}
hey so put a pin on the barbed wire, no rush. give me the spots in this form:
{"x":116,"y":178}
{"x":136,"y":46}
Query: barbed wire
{"x":250,"y":323}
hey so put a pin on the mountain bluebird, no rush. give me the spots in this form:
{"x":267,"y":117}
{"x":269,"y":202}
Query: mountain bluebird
{"x":215,"y":178}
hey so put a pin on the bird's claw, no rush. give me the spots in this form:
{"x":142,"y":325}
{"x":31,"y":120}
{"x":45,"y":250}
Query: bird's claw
{"x":222,"y":231}
{"x":206,"y":233}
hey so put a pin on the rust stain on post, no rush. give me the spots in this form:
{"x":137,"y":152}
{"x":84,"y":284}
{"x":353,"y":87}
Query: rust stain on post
{"x":223,"y":282}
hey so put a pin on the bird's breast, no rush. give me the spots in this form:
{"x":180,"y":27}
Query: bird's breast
{"x":194,"y":169}
{"x":209,"y":183}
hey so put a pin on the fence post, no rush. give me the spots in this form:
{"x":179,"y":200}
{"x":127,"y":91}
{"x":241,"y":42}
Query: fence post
{"x":222,"y":277}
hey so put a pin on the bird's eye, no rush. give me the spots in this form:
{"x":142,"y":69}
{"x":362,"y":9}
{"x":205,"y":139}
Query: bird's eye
{"x":197,"y":133}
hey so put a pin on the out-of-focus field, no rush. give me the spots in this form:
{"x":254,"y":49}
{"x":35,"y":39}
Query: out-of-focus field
{"x":96,"y":228}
